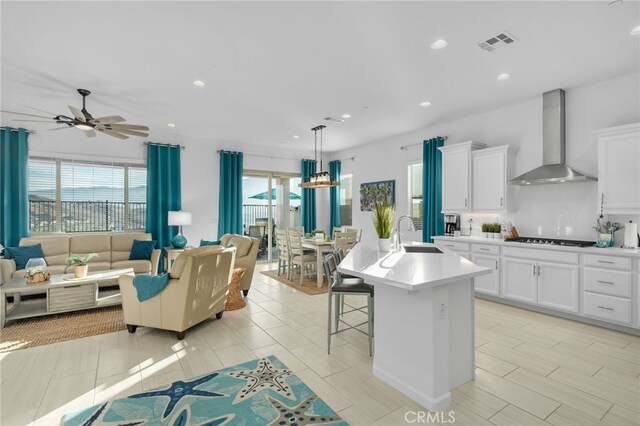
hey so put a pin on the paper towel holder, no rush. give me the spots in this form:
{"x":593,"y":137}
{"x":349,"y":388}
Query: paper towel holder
{"x":637,"y":243}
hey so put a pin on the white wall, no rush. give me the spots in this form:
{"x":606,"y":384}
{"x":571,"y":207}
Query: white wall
{"x":199,"y":165}
{"x":549,"y":210}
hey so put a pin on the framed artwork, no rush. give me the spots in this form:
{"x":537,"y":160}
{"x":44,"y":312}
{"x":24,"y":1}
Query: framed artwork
{"x":372,"y":193}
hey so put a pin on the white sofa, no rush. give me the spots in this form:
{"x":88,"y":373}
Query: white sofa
{"x":113,"y":253}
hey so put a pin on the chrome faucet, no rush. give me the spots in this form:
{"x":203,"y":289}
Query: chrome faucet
{"x":412,"y":227}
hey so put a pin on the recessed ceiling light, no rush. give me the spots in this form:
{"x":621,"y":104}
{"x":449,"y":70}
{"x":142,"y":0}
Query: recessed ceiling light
{"x":636,"y":30}
{"x":346,"y":115}
{"x":504,"y":76}
{"x":438,"y":44}
{"x":171,"y":125}
{"x":296,"y":136}
{"x":425,"y":104}
{"x":198,"y":83}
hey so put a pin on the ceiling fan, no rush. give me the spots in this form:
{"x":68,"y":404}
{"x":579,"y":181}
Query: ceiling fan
{"x":112,"y":125}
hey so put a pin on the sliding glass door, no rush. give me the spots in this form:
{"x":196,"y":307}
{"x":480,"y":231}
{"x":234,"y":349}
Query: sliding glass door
{"x":270,"y":200}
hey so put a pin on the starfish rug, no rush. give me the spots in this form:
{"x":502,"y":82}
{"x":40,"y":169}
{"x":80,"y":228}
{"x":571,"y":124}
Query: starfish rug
{"x":259,"y":392}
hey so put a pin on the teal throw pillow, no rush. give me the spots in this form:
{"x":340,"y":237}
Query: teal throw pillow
{"x":142,"y":249}
{"x":21,"y":255}
{"x":209,"y":243}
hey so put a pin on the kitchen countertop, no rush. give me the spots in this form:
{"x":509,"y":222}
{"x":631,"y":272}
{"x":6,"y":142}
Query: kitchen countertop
{"x":612,"y":251}
{"x":408,"y":271}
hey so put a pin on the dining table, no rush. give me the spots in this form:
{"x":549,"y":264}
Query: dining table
{"x":320,"y":247}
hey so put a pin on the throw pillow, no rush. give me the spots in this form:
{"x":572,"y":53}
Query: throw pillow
{"x":209,"y":243}
{"x":142,"y":249}
{"x":21,"y":255}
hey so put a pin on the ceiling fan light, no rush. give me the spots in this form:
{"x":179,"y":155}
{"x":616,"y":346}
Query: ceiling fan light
{"x":83,"y":127}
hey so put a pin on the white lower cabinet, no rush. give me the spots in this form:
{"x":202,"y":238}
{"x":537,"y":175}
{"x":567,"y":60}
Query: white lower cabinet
{"x":519,"y":277}
{"x":559,"y":286}
{"x":489,"y":284}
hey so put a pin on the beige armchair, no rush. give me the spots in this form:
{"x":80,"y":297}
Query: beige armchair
{"x":197,"y":289}
{"x":246,"y":255}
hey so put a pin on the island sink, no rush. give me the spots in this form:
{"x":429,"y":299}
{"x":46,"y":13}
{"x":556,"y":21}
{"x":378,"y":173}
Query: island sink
{"x":422,"y":249}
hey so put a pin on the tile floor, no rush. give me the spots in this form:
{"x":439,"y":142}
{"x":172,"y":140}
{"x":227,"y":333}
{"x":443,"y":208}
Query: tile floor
{"x":531,"y":368}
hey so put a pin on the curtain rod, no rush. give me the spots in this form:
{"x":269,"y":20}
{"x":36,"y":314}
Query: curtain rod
{"x":164,"y":144}
{"x":12,"y":129}
{"x":404,"y":147}
{"x":258,"y":155}
{"x":348,"y":158}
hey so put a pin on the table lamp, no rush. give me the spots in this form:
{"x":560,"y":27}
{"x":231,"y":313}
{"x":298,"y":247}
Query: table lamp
{"x":179,"y":218}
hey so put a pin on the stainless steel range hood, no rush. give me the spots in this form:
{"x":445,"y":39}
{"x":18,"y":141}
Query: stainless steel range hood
{"x":553,"y":169}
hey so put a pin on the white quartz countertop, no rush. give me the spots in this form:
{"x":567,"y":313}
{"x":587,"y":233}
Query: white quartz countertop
{"x":612,"y":251}
{"x":408,"y":271}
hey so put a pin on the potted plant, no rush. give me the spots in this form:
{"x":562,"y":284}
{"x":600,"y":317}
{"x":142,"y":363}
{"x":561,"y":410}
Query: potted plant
{"x":80,"y":263}
{"x":497,"y":231}
{"x":486,"y":230}
{"x":383,"y":215}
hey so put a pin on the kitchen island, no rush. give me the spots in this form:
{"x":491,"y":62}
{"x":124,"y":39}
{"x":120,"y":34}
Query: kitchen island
{"x":424,"y":318}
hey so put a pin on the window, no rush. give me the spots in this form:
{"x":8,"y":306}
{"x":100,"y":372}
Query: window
{"x":346,"y":187}
{"x":81,"y":196}
{"x":415,"y":194}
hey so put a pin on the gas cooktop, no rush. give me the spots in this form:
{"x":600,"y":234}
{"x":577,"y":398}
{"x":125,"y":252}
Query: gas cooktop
{"x":553,"y":242}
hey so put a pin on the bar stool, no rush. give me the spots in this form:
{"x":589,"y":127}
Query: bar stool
{"x":341,"y":287}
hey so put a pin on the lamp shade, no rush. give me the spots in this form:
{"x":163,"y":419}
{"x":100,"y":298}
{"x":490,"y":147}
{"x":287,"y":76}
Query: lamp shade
{"x":179,"y":218}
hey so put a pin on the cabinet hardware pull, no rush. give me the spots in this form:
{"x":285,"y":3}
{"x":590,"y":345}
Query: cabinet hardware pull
{"x":606,"y":282}
{"x":465,"y":202}
{"x":604,"y":307}
{"x":72,"y":286}
{"x":534,"y":269}
{"x":500,"y":201}
{"x":538,"y":269}
{"x":605,"y":261}
{"x":485,"y":249}
{"x":449,"y":245}
{"x":496,"y":265}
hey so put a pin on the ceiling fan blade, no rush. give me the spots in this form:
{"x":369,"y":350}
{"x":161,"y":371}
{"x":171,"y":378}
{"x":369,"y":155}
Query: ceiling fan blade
{"x":132,"y":132}
{"x":59,"y":128}
{"x":77,"y":113}
{"x":129,"y":126}
{"x":108,"y":120}
{"x":90,"y":133}
{"x":28,"y":115}
{"x":112,"y":133}
{"x":39,"y":110}
{"x":35,"y":121}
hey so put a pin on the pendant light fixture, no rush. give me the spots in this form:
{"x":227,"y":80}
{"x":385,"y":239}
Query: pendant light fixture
{"x":321,"y":179}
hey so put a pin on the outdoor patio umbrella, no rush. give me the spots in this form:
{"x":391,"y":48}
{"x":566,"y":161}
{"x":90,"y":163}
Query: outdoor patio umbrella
{"x":263,"y":195}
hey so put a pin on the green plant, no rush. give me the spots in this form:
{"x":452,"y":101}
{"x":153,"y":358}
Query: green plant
{"x":383,"y":215}
{"x":317,"y":231}
{"x":80,"y":259}
{"x":497,"y":228}
{"x":486,"y":227}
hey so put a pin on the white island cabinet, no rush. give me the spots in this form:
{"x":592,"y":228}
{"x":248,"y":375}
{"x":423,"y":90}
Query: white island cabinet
{"x":424,"y":319}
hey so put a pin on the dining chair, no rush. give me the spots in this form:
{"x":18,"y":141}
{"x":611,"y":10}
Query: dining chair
{"x":345,"y":240}
{"x":303,"y":262}
{"x":284,"y":254}
{"x":339,"y":287}
{"x":358,"y":231}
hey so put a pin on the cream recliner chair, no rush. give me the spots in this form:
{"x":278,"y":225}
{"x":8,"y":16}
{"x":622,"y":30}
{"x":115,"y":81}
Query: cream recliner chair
{"x":197,"y":289}
{"x":246,"y":255}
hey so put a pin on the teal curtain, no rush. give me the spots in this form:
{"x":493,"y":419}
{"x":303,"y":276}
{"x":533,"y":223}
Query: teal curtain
{"x":334,"y":195}
{"x":432,"y":219}
{"x":230,"y":193}
{"x":14,"y":197}
{"x":308,"y":203}
{"x":163,"y":191}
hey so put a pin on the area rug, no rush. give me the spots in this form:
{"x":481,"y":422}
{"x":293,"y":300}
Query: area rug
{"x":309,"y":285}
{"x":259,"y":392}
{"x":28,"y":332}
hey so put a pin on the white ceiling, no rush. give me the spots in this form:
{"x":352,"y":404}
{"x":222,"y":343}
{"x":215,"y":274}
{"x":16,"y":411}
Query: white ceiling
{"x":275,"y":69}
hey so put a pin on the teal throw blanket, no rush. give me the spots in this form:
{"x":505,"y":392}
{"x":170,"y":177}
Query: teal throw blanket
{"x":147,"y":286}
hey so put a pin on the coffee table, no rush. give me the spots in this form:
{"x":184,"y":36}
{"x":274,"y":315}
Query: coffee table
{"x":64,"y":293}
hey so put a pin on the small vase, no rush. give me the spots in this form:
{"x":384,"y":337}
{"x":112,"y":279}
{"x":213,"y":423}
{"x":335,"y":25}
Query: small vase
{"x":384,"y":245}
{"x":80,"y":271}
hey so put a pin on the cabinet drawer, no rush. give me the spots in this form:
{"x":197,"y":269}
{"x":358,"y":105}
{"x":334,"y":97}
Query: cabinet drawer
{"x":614,"y":283}
{"x":485,"y":249}
{"x":545,"y":254}
{"x":607,"y":308}
{"x":612,"y":262}
{"x":453,"y":245}
{"x":71,"y":297}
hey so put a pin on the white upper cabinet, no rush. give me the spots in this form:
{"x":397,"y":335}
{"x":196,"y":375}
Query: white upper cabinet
{"x":619,"y":169}
{"x":491,"y":169}
{"x":456,"y":176}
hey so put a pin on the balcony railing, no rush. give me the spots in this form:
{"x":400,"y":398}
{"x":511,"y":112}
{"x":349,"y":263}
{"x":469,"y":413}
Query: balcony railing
{"x":86,"y":216}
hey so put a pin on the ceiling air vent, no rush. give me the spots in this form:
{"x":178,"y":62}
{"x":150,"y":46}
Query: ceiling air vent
{"x":496,"y":41}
